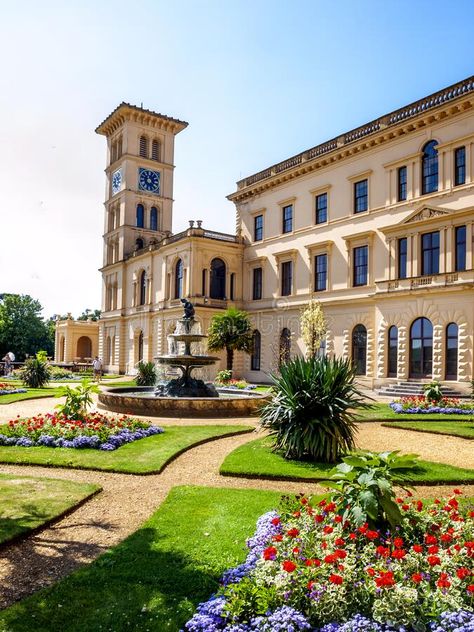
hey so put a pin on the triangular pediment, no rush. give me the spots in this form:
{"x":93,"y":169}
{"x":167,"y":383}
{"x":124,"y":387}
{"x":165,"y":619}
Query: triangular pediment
{"x":425,"y":212}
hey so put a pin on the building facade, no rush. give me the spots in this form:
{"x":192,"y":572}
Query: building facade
{"x":376,"y":224}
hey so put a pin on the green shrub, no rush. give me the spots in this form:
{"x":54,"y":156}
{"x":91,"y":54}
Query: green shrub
{"x":364,"y":486}
{"x":146,"y":375}
{"x":35,"y":373}
{"x":311,"y":414}
{"x":224,"y":376}
{"x":58,"y":373}
{"x":433,"y":392}
{"x":78,"y":399}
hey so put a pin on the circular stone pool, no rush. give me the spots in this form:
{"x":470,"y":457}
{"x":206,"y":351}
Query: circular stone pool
{"x":141,"y":400}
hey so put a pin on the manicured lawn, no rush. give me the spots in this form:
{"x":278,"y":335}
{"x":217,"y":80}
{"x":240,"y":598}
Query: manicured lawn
{"x":381,"y":411}
{"x":27,"y":503}
{"x":146,"y":456}
{"x":464,"y":429}
{"x":256,"y":460}
{"x":125,"y":384}
{"x":155,"y":578}
{"x":31,"y":393}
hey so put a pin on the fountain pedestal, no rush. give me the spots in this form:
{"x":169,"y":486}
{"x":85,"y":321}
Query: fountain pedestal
{"x":186,"y":385}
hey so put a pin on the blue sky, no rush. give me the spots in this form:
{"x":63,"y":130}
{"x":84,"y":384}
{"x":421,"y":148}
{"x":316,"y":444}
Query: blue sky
{"x":258,"y":81}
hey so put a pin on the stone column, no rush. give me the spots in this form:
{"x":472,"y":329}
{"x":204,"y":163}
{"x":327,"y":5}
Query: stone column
{"x":381,"y":349}
{"x":442,"y":250}
{"x":438,"y":354}
{"x":469,"y":237}
{"x":403,"y":353}
{"x":464,"y":353}
{"x":370,"y":352}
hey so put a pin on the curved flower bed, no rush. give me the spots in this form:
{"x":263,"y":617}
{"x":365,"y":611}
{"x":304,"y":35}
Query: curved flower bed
{"x":420,"y":405}
{"x":96,"y":430}
{"x":6,"y":389}
{"x":307,"y":569}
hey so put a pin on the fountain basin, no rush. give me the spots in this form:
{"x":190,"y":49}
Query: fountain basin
{"x":143,"y":401}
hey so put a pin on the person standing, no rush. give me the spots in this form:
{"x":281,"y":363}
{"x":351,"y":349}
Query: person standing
{"x":97,"y":366}
{"x":7,"y":367}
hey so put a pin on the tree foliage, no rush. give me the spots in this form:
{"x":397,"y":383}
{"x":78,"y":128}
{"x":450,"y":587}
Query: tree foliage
{"x":22,"y":328}
{"x":232,"y":331}
{"x":92,"y":314}
{"x":313,"y":327}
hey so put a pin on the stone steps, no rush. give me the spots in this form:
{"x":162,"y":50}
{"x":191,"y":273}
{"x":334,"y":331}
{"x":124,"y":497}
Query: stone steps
{"x":412,"y":389}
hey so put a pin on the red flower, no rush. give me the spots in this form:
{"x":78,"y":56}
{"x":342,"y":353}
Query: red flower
{"x":330,"y":559}
{"x":339,"y":542}
{"x":310,"y":584}
{"x":405,"y":507}
{"x":372,"y":535}
{"x":327,"y":529}
{"x":308,"y":562}
{"x":398,"y":542}
{"x":417,"y":548}
{"x":269,"y":553}
{"x":318,"y":518}
{"x":338,"y":518}
{"x":383,"y":551}
{"x":457,"y":491}
{"x":470,"y":589}
{"x":443,"y":581}
{"x":288,"y":566}
{"x":335,"y":579}
{"x":277,"y":538}
{"x":296,"y":550}
{"x":432,"y":550}
{"x":330,"y":507}
{"x":417,"y":578}
{"x":275,"y":521}
{"x":446,"y":538}
{"x":385,"y":578}
{"x":433,"y":560}
{"x":398,"y":554}
{"x":431,"y":539}
{"x":293,"y":533}
{"x":340,"y":554}
{"x":462,"y":572}
{"x":371,"y":572}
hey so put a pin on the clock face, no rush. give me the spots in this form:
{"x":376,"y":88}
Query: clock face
{"x":149,"y":180}
{"x":116,"y":181}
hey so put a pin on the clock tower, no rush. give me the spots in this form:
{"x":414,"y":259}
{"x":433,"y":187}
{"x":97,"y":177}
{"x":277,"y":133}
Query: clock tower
{"x":139,"y":182}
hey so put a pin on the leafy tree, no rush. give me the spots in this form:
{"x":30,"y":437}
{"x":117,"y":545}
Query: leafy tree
{"x":89,"y":313}
{"x":313,"y":327}
{"x":231,"y":331}
{"x":22,"y":329}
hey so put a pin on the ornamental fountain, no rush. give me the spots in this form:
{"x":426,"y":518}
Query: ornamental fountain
{"x":184,"y":396}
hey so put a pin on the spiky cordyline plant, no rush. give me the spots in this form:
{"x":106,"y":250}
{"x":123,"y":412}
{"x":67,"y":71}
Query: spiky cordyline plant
{"x":311,"y":414}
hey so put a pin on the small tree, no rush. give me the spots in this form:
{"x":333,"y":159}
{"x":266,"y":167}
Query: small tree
{"x":231,"y":331}
{"x":313,"y":327}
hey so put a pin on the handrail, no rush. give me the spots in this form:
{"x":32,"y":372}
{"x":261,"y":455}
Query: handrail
{"x":393,"y":118}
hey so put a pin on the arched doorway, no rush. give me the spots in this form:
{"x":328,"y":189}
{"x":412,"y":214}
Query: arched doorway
{"x":392,"y":351}
{"x":285,"y":346}
{"x":421,"y":348}
{"x":452,"y":352}
{"x":218,"y":274}
{"x":359,"y":349}
{"x":84,"y":347}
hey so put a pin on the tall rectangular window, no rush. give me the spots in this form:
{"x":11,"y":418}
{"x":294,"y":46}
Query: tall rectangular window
{"x":459,"y":166}
{"x":430,"y":253}
{"x":402,"y":257}
{"x":320,"y":273}
{"x":321,"y":208}
{"x":402,"y":184}
{"x":361,"y":265}
{"x":361,"y":196}
{"x":258,"y":228}
{"x":257,"y":284}
{"x":286,"y":278}
{"x":288,"y":218}
{"x":460,"y":248}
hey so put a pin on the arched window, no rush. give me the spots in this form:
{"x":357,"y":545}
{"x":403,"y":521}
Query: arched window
{"x":142,"y":296}
{"x":178,"y":279}
{"x":285,"y":346}
{"x":140,"y":346}
{"x":218,"y":273}
{"x":429,"y":167}
{"x":140,"y":216}
{"x":392,"y":351}
{"x":359,"y":349}
{"x":139,"y":243}
{"x":421,"y":348}
{"x":143,"y":150}
{"x":256,"y":351}
{"x":153,"y":218}
{"x":452,"y":351}
{"x":84,"y":347}
{"x":155,"y":150}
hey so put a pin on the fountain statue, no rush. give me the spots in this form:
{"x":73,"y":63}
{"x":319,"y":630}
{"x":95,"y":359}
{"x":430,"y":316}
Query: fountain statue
{"x":186,"y":385}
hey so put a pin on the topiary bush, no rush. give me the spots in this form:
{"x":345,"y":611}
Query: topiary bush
{"x":35,"y":373}
{"x":146,"y":375}
{"x":311,"y":414}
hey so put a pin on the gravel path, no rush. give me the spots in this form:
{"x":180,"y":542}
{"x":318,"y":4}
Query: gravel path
{"x":126,"y":501}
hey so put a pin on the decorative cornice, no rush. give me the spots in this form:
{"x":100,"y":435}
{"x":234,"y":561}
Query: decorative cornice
{"x":128,"y":112}
{"x":443,"y":104}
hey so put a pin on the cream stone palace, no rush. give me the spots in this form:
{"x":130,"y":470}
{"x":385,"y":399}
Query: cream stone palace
{"x":377,"y":224}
